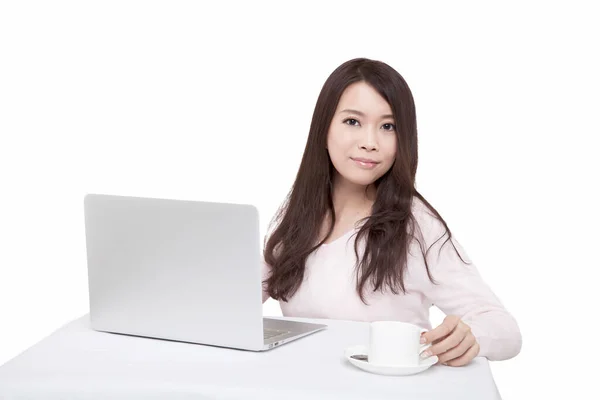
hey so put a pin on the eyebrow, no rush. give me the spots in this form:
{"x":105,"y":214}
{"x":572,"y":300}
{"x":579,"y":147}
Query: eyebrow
{"x":363,"y":114}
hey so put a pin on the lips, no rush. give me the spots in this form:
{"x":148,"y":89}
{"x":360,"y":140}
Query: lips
{"x":364,"y":163}
{"x":365,"y":160}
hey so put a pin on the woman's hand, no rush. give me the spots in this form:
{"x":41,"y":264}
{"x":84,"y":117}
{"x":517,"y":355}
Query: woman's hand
{"x":452,"y":342}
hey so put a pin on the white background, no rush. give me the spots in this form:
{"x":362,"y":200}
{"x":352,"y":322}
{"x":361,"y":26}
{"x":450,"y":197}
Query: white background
{"x":189,"y":101}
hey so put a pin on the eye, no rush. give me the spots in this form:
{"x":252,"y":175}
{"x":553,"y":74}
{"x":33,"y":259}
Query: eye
{"x":350,"y":119}
{"x":392,"y":127}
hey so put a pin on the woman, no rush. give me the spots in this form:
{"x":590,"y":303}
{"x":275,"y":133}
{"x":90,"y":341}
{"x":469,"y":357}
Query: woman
{"x":355,"y":240}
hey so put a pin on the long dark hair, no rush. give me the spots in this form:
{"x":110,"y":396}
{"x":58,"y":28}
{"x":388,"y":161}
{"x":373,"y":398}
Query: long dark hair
{"x":390,"y":227}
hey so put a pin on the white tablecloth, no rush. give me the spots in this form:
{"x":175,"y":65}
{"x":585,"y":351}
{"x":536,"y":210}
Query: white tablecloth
{"x":76,"y":362}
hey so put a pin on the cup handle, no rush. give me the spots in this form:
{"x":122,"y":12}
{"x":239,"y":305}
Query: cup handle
{"x":424,"y":346}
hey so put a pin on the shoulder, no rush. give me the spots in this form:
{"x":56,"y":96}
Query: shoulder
{"x":420,"y":209}
{"x":428,"y":226}
{"x":433,"y":233}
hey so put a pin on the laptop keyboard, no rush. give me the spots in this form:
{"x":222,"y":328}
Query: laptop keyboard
{"x":271,"y":333}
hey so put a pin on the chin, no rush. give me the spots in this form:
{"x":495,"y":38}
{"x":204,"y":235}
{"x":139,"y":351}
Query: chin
{"x":360,"y":180}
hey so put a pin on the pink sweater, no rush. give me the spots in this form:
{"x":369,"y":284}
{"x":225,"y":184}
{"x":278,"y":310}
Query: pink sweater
{"x":329,"y":291}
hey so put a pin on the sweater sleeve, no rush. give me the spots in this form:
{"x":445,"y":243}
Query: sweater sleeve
{"x":461,"y":291}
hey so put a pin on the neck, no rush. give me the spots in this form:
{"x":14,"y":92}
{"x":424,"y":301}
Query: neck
{"x":351,"y":201}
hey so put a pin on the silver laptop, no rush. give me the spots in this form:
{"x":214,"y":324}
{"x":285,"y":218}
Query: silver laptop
{"x":180,"y":270}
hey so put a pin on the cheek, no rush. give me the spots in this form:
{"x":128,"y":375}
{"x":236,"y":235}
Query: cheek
{"x":390,"y":152}
{"x":337,"y":144}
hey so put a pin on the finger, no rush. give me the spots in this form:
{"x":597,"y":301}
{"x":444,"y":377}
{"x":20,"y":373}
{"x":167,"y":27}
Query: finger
{"x":461,"y":331}
{"x":437,"y":340}
{"x":459,"y":350}
{"x":445,"y":329}
{"x":465,"y":358}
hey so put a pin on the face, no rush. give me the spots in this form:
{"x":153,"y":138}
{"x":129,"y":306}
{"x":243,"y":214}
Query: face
{"x":362,"y":136}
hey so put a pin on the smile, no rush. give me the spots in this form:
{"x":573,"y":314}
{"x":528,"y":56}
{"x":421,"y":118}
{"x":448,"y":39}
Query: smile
{"x":365,"y":163}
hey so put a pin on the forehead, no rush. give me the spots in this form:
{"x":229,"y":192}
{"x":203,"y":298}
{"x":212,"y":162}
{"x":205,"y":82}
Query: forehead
{"x":362,"y":97}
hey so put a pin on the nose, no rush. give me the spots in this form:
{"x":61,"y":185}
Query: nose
{"x":368,"y":141}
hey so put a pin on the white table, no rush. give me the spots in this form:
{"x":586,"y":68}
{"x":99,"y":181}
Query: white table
{"x":76,"y":362}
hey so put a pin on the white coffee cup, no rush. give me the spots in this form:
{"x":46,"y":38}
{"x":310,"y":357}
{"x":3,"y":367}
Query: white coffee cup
{"x":395,"y":343}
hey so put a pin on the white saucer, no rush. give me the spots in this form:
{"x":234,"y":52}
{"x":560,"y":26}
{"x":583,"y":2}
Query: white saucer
{"x":397,"y":370}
